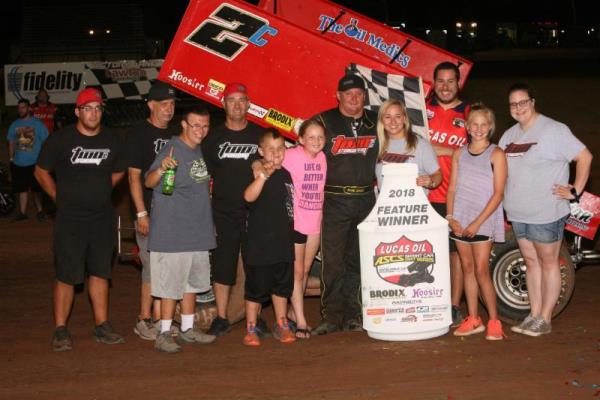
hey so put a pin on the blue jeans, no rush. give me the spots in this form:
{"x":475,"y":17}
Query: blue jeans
{"x":541,"y":233}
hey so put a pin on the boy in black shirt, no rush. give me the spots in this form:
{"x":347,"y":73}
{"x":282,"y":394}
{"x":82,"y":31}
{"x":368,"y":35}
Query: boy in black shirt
{"x":268,"y":248}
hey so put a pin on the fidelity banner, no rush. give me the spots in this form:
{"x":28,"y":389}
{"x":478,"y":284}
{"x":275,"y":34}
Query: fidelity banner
{"x":125,"y":79}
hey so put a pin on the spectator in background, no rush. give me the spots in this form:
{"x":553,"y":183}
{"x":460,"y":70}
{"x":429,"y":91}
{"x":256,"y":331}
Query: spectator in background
{"x":25,"y":138}
{"x":46,"y":111}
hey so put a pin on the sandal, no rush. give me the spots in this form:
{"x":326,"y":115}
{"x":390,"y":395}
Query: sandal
{"x":303,"y":334}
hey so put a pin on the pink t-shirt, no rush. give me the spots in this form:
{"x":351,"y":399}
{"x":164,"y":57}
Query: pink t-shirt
{"x":308,"y":175}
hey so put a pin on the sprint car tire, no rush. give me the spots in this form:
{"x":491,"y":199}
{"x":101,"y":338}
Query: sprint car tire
{"x":507,"y":270}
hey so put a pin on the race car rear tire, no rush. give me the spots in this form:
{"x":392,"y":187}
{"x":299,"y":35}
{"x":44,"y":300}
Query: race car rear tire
{"x":507,"y":270}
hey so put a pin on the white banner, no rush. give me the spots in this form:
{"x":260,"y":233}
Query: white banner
{"x":126,"y":79}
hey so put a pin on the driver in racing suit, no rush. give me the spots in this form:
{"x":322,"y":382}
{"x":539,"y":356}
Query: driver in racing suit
{"x":351,"y":151}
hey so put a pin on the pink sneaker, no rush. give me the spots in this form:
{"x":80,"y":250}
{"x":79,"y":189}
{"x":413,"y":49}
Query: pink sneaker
{"x":494,"y":330}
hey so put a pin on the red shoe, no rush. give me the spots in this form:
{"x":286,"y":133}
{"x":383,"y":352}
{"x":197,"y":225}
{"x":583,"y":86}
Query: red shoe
{"x":494,"y":330}
{"x":282,"y":332}
{"x":469,"y":326}
{"x":251,"y":338}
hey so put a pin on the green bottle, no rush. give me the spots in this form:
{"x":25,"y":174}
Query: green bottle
{"x":168,"y":181}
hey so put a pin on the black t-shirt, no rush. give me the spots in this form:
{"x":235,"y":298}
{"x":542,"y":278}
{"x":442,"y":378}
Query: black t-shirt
{"x":351,"y":151}
{"x":229,"y":155}
{"x":144,"y":141}
{"x":83,"y":166}
{"x":269,"y":233}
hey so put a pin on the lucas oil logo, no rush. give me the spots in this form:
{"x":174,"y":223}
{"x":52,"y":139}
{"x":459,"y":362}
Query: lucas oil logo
{"x":228,"y":30}
{"x":405,"y":262}
{"x":352,"y":145}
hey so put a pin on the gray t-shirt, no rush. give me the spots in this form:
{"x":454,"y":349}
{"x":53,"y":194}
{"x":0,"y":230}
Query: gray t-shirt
{"x":182,"y":221}
{"x":422,"y":155}
{"x":537,"y":160}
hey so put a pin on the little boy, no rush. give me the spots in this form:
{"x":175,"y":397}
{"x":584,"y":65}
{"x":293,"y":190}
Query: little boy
{"x":268,"y":248}
{"x":181,"y":232}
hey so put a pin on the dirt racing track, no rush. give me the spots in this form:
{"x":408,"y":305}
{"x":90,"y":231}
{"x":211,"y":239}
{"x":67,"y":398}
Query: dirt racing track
{"x":563,"y":365}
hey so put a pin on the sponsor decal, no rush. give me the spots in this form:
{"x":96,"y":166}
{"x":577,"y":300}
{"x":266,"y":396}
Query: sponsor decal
{"x":422,"y":309}
{"x":410,"y":310}
{"x":409,"y":318}
{"x":517,"y":150}
{"x":352,"y":145}
{"x":435,"y":308}
{"x":458,"y":122}
{"x":257,"y":111}
{"x":214,"y":89}
{"x":228,"y":31}
{"x":193,"y":83}
{"x":585,"y":216}
{"x":280,"y":120}
{"x":427,"y":293}
{"x":375,"y":311}
{"x":353,"y":31}
{"x":88,"y":156}
{"x":446,"y":138}
{"x":236,"y":150}
{"x":397,"y":310}
{"x":387,"y":294}
{"x":405,"y":262}
{"x":126,"y":74}
{"x":406,"y":302}
{"x":377,"y":320}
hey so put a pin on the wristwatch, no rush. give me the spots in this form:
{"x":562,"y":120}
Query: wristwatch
{"x":576,"y":196}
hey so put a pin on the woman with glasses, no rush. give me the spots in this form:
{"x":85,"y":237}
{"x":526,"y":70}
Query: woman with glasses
{"x":536,"y":198}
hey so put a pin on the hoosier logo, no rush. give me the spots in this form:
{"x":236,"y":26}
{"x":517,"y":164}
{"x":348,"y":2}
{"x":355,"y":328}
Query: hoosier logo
{"x":89,"y":156}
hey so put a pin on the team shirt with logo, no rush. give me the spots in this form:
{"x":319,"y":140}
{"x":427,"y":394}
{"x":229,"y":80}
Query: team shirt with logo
{"x":182,"y":221}
{"x":350,"y":147}
{"x":308,"y":175}
{"x":422,"y":155}
{"x":27,"y":136}
{"x":144,"y":142}
{"x":83,"y":166}
{"x":269,"y":237}
{"x":447,"y":129}
{"x":537,"y":160}
{"x":229,"y":155}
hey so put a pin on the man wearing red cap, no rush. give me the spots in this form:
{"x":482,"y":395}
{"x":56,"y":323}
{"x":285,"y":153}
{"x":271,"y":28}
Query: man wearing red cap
{"x":87,"y":161}
{"x":229,"y":151}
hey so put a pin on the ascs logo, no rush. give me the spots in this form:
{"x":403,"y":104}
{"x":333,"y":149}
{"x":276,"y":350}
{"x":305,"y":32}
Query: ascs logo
{"x":228,"y":30}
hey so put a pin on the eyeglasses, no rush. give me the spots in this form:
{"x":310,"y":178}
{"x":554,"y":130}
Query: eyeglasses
{"x":519,"y":104}
{"x":90,"y":108}
{"x":195,"y":126}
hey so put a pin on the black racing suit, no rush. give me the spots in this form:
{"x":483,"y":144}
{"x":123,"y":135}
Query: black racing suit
{"x":351,"y":149}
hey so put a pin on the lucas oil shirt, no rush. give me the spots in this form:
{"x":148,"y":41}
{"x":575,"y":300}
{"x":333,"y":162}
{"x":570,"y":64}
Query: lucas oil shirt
{"x":447,"y":128}
{"x":351,"y":148}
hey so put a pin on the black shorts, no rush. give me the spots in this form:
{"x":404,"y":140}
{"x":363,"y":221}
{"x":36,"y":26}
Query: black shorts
{"x":262,"y":281}
{"x":299,"y":238}
{"x":230,"y":226}
{"x":83,"y":248}
{"x":442,"y":210}
{"x":474,"y":239}
{"x":23,"y":179}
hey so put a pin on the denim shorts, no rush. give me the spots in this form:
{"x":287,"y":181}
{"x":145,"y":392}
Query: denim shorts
{"x":541,"y":233}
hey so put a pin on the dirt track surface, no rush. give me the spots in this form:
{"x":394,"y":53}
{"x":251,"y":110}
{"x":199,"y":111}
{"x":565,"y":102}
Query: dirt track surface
{"x":338,"y":366}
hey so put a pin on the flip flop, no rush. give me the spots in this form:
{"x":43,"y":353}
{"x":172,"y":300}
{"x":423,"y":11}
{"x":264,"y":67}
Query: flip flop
{"x":304,"y":334}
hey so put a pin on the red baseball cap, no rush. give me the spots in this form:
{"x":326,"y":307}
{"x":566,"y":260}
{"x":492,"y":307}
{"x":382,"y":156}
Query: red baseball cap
{"x":89,"y":95}
{"x":235,"y":87}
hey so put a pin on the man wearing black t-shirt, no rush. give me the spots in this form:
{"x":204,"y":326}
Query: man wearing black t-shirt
{"x":144,"y":142}
{"x":229,"y":150}
{"x":87,"y":161}
{"x":351,"y":151}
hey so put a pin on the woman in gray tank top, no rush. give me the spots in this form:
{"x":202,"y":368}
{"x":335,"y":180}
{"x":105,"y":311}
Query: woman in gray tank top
{"x":475,"y":216}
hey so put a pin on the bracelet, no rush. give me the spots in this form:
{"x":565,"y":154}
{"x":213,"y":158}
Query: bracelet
{"x":449,"y":216}
{"x":142,"y":214}
{"x":264,"y":176}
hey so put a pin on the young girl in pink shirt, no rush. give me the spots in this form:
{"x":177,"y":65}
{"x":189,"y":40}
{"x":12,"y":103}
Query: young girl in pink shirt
{"x":307,"y":165}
